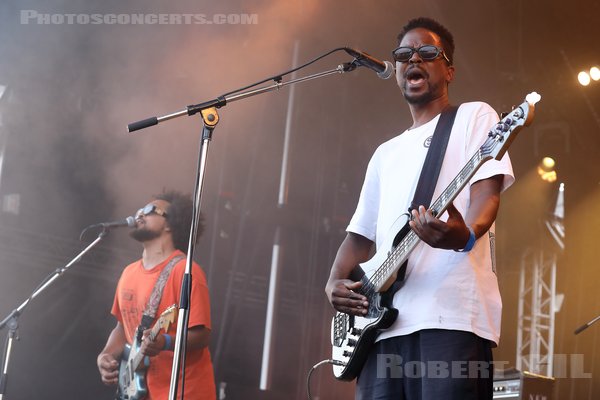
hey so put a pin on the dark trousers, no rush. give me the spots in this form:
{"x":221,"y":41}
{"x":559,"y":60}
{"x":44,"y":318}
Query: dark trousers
{"x":431,"y":364}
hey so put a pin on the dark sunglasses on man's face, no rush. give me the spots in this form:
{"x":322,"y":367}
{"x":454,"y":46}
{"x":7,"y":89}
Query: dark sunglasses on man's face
{"x":150,"y":209}
{"x":428,"y":52}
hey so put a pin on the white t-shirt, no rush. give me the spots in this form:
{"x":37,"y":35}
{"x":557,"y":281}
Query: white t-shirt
{"x":443,"y":289}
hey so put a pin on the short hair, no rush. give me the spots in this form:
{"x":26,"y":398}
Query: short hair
{"x":435,"y":27}
{"x":179,"y":217}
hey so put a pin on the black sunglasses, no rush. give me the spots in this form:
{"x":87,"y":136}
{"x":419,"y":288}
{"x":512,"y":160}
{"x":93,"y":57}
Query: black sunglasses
{"x":428,"y":52}
{"x":150,"y":209}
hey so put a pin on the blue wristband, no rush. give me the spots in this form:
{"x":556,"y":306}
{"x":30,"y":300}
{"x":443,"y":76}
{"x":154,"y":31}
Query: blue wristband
{"x":470,"y":242}
{"x":168,"y":341}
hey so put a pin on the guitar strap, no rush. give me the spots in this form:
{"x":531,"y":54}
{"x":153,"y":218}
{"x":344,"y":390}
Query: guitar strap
{"x":429,"y":175}
{"x":433,"y":161}
{"x":154,"y":301}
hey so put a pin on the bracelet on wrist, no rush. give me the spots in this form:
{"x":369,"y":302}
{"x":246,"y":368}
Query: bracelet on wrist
{"x":168,"y":341}
{"x":470,"y":242}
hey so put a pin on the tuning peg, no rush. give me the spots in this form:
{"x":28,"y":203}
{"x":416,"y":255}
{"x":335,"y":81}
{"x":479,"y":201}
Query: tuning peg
{"x":533,"y":97}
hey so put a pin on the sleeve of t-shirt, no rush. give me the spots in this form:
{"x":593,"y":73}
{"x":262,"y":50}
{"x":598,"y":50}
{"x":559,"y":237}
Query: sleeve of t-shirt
{"x":364,"y":220}
{"x":116,"y":310}
{"x":200,"y":302}
{"x":483,"y":119}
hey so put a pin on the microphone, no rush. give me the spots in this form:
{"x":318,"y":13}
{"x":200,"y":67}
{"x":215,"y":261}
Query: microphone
{"x":384,"y":69}
{"x":129,"y":222}
{"x":586,"y":325}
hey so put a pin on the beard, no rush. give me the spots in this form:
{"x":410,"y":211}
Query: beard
{"x":418,"y":99}
{"x":422,"y":98}
{"x":143,"y":234}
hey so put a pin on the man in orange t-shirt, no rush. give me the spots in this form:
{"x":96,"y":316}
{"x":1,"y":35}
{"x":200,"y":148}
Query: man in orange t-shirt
{"x":162,"y":226}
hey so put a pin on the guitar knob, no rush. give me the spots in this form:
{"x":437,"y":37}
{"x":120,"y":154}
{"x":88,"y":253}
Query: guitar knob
{"x":351,"y":342}
{"x":347,"y":353}
{"x":356,"y":331}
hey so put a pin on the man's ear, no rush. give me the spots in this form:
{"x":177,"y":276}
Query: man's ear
{"x":450,"y":74}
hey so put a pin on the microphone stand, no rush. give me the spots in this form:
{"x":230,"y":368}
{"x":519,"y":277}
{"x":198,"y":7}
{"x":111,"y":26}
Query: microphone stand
{"x":210,"y":119}
{"x":586,"y":325}
{"x":12,"y":320}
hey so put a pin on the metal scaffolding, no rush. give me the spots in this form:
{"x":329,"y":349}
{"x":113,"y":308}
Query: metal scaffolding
{"x":537,"y":294}
{"x":538,"y":300}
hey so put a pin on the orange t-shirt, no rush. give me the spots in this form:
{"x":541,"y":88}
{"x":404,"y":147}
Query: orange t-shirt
{"x":131,"y":297}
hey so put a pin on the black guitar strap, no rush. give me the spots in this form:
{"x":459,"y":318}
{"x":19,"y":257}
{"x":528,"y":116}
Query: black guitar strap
{"x":429,"y":175}
{"x":433,"y":160}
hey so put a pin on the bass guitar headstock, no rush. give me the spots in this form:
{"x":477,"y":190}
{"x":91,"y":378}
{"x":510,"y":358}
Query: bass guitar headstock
{"x":505,"y":131}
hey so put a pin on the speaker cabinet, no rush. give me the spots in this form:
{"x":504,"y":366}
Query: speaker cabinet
{"x":524,"y":385}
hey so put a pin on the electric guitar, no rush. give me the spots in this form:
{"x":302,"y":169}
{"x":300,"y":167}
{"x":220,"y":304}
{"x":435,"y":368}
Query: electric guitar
{"x":352,"y":336}
{"x":132,"y":372}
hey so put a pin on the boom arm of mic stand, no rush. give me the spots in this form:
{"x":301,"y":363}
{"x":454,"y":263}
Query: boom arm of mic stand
{"x":223,"y":100}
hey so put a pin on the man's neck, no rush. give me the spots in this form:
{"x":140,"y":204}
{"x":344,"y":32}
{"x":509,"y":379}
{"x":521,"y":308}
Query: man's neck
{"x":156,"y":251}
{"x":423,"y":113}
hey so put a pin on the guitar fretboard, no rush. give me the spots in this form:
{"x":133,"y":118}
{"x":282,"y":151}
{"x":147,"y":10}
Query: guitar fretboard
{"x":138,"y":357}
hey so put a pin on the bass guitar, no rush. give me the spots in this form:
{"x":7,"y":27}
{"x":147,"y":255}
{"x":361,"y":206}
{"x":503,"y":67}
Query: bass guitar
{"x":352,"y":336}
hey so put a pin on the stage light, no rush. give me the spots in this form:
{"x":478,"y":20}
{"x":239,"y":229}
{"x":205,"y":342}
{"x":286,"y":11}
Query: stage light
{"x":595,"y":73}
{"x":583,"y":78}
{"x":546,"y":169}
{"x":548,"y":162}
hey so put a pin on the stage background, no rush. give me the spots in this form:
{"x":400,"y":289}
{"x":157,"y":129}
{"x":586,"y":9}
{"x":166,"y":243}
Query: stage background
{"x":69,"y":162}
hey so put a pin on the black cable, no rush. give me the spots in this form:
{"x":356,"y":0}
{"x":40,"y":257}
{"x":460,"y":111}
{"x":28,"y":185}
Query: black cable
{"x":314,"y":367}
{"x":278,"y":77}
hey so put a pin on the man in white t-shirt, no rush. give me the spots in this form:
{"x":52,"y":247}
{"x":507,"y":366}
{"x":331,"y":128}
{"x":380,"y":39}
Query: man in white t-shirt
{"x":439,"y":346}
